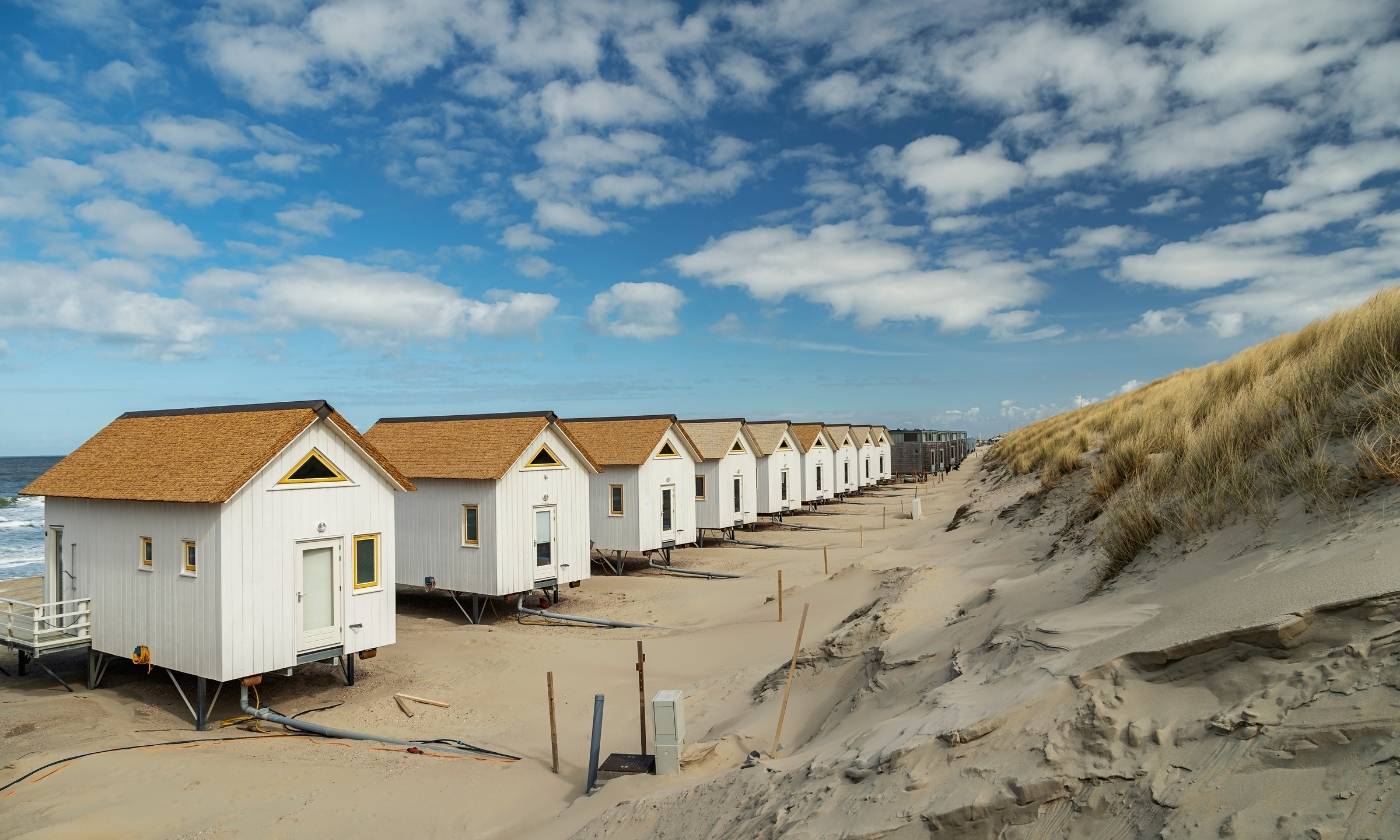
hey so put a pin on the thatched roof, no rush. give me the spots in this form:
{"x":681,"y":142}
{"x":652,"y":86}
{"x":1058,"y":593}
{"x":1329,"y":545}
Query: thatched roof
{"x":714,"y":438}
{"x":838,"y":433}
{"x":768,"y":435}
{"x":201,"y":455}
{"x":624,"y":441}
{"x":807,"y":434}
{"x":861,"y":435}
{"x":876,"y":432}
{"x":470,"y":446}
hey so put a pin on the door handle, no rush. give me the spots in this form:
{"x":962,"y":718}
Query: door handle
{"x":298,"y":597}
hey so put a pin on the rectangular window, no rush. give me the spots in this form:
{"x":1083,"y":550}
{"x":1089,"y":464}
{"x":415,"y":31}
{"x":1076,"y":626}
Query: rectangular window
{"x":738,"y":493}
{"x":190,"y":557}
{"x":146,"y":559}
{"x":471,"y":525}
{"x":819,"y":476}
{"x":366,"y":561}
{"x":784,"y":497}
{"x":615,"y":500}
{"x":882,"y":465}
{"x":699,"y":488}
{"x":846,"y":472}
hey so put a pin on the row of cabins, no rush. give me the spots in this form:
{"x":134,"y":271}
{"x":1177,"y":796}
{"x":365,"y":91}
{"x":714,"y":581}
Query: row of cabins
{"x":233,"y":541}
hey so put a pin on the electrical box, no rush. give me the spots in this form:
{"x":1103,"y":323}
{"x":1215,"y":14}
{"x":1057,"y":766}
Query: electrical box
{"x":668,"y":724}
{"x":916,"y":508}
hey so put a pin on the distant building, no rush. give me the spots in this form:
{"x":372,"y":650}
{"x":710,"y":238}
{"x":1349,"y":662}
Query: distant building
{"x":918,"y":452}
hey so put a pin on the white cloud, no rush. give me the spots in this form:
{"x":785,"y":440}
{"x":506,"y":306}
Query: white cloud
{"x":1370,"y":90}
{"x":749,"y":75}
{"x":94,"y":302}
{"x":193,"y":180}
{"x":1328,"y":169}
{"x":522,"y":237}
{"x":1200,"y":139}
{"x":194,"y":134}
{"x":1016,"y":325}
{"x":857,"y":275}
{"x":1067,"y":159}
{"x":317,"y":217}
{"x":959,"y":224}
{"x":601,"y":103}
{"x":51,"y":125}
{"x":40,"y":67}
{"x":1088,"y":244}
{"x":33,"y":190}
{"x":367,"y":304}
{"x":1130,"y":385}
{"x":1168,"y":202}
{"x":1167,"y":321}
{"x":116,"y":77}
{"x":569,"y":218}
{"x":535,"y":266}
{"x":637,"y":310}
{"x":730,"y":324}
{"x":136,"y":231}
{"x":949,"y":180}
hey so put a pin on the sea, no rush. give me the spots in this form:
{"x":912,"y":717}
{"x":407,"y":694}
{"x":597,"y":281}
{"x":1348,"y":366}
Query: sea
{"x":21,"y":517}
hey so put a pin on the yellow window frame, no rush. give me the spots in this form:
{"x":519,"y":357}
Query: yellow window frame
{"x":186,"y":546}
{"x":466,"y":538}
{"x":621,"y":509}
{"x":701,"y":486}
{"x":355,"y":559}
{"x":146,"y":556}
{"x":558,"y":464}
{"x":318,"y":454}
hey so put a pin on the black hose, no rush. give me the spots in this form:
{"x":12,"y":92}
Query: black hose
{"x":59,"y":761}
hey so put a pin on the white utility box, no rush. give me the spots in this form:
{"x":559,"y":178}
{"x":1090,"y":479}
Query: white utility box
{"x":916,"y":508}
{"x":668,"y":724}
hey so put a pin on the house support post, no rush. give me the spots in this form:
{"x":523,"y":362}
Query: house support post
{"x":594,"y":745}
{"x":349,"y":669}
{"x":201,"y":714}
{"x":23,"y":659}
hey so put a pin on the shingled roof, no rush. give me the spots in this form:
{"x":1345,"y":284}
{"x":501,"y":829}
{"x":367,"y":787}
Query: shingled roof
{"x":859,"y":435}
{"x":768,"y":435}
{"x":623,"y":441}
{"x":807,"y":434}
{"x":468,"y":446}
{"x":198,"y":455}
{"x":837,"y":433}
{"x":714,"y":438}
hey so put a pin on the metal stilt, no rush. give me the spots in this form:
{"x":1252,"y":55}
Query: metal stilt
{"x":199,"y":714}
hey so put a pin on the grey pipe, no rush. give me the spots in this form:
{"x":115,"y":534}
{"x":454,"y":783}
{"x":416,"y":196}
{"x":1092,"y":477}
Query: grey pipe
{"x":332,"y":732}
{"x":692,"y":572}
{"x":594,"y":744}
{"x":602,"y":622}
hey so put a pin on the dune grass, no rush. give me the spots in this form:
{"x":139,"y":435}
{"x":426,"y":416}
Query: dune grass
{"x":1315,"y":412}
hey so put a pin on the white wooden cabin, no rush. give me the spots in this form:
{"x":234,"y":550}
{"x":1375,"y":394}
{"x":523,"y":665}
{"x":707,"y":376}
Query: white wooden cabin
{"x":226,"y":542}
{"x":818,"y":455}
{"x":501,"y":506}
{"x":884,"y":453}
{"x":779,"y":467}
{"x":866,"y":456}
{"x":726,"y":483}
{"x":844,"y":461}
{"x":643,"y":499}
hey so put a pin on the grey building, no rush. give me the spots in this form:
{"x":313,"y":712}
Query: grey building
{"x":918,"y":452}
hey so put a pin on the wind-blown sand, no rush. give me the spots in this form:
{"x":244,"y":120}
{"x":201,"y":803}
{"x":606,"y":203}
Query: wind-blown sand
{"x":963,"y":681}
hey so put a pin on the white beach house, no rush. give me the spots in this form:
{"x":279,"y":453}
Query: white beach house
{"x":226,"y":542}
{"x":643,"y":500}
{"x":818,"y":456}
{"x":779,"y":467}
{"x":726,"y":488}
{"x":501,"y":506}
{"x":865,"y":456}
{"x":884,"y":453}
{"x":844,"y":459}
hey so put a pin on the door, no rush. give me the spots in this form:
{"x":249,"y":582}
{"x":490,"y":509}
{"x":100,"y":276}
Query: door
{"x":783,"y":490}
{"x":320,"y":586}
{"x":738,"y":499}
{"x":53,"y":537}
{"x":546,"y":551}
{"x":668,"y":512}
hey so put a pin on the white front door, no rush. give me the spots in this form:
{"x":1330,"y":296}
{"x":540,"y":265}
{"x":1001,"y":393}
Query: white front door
{"x":546,"y":548}
{"x":668,"y":512}
{"x":53,"y":549}
{"x":320,"y":585}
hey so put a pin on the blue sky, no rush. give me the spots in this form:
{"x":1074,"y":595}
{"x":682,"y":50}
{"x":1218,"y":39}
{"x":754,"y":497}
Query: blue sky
{"x":959,"y":215}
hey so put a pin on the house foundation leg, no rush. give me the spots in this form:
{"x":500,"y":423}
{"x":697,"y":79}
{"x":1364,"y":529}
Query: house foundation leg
{"x":349,"y":669}
{"x":23,"y":658}
{"x":201,"y":714}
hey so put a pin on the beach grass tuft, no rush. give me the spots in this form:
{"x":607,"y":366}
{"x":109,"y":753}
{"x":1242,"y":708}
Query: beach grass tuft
{"x":1314,"y":413}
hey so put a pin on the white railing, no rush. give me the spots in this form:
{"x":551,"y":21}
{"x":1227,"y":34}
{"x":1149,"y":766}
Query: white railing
{"x":39,"y":627}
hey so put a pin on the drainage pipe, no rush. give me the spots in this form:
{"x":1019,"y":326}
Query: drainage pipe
{"x":450,"y":745}
{"x":691,"y":572}
{"x":601,"y":622}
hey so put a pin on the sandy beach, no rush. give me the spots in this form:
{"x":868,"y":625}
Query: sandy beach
{"x":948,"y":679}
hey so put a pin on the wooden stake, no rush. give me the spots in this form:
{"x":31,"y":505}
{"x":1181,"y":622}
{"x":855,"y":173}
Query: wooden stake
{"x":403,"y":707}
{"x":553,"y":726}
{"x":780,"y":595}
{"x":437,"y":703}
{"x":862,"y":535}
{"x":642,"y":695}
{"x":884,"y":514}
{"x":787,"y":687}
{"x":826,"y":569}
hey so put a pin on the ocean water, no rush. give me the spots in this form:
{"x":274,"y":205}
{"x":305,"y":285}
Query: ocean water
{"x":21,"y":517}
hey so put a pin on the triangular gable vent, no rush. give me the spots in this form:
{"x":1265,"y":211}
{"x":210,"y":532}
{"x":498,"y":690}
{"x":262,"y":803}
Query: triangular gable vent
{"x":667,"y":451}
{"x":544,"y":459}
{"x":783,"y":445}
{"x":315,"y":468}
{"x":818,"y":444}
{"x":738,"y":446}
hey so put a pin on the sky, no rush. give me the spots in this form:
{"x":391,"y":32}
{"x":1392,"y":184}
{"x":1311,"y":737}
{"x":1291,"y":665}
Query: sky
{"x":949,"y":215}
